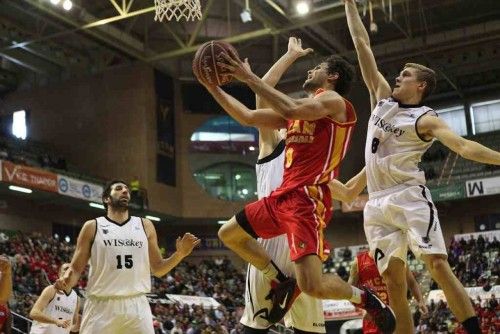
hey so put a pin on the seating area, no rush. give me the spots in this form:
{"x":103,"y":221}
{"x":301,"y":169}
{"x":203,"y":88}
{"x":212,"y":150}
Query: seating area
{"x":443,"y":166}
{"x":36,"y":259}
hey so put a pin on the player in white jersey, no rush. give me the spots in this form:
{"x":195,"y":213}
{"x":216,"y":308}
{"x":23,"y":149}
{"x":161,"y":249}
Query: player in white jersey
{"x":400,"y":212}
{"x":56,"y":312}
{"x":306,"y":314}
{"x":123,"y":252}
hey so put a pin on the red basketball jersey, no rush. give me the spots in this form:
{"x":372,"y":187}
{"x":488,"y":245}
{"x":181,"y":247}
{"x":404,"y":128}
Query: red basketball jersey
{"x":314,"y":149}
{"x":368,"y":275}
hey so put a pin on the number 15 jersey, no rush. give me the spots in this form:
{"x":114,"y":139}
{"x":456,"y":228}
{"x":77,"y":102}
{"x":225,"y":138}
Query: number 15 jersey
{"x":393,"y":145}
{"x":119,"y":259}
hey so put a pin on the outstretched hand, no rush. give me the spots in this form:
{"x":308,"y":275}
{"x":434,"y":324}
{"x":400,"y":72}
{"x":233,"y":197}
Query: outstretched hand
{"x":185,"y":245}
{"x":295,"y":48}
{"x":237,"y":68}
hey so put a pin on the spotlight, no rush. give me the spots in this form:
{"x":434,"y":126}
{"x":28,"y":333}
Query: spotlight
{"x":67,"y":4}
{"x":246,"y":16}
{"x":21,"y":189}
{"x":302,"y":7}
{"x":96,"y":205}
{"x":55,"y":2}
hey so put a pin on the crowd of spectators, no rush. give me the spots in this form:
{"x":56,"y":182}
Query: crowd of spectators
{"x":36,"y":259}
{"x":476,"y":262}
{"x":439,"y":320}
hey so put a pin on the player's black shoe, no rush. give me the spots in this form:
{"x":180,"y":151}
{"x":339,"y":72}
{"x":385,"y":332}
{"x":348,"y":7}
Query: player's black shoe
{"x":282,"y":295}
{"x":381,"y":314}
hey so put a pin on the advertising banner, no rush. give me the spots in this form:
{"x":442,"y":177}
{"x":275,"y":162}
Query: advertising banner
{"x":483,"y":187}
{"x":449,"y":192}
{"x":473,"y":293}
{"x":489,"y":235}
{"x":340,"y":310}
{"x":207,"y":302}
{"x":28,"y":176}
{"x":79,"y":189}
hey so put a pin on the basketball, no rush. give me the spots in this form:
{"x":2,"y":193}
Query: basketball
{"x":205,"y":63}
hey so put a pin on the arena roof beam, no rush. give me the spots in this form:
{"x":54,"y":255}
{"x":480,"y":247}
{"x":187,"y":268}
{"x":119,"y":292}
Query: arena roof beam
{"x":331,"y":42}
{"x":332,"y":14}
{"x":424,"y":52}
{"x":25,"y":60}
{"x":112,"y":36}
{"x":200,"y":23}
{"x":177,"y":39}
{"x":251,"y":35}
{"x":55,"y":54}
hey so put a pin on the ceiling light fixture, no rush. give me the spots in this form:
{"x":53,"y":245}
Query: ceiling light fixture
{"x":67,"y":4}
{"x":21,"y":189}
{"x":246,"y":14}
{"x":96,"y":205}
{"x":302,"y":7}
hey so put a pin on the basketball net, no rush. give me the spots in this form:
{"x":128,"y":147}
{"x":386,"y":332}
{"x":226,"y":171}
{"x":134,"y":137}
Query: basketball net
{"x":178,"y":9}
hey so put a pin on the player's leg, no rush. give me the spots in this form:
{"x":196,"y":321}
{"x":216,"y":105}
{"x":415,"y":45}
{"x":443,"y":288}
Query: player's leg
{"x":313,"y":282}
{"x":139,"y":319}
{"x":388,"y":246}
{"x":456,"y":296}
{"x":99,"y":316}
{"x":397,"y":287}
{"x":426,"y":241}
{"x":240,"y":234}
{"x":258,"y":286}
{"x":243,"y":242}
{"x":314,"y":322}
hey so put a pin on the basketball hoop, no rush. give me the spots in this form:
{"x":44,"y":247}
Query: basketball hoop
{"x":178,"y":9}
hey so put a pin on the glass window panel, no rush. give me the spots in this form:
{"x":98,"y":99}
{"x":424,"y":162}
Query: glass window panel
{"x":455,"y":118}
{"x":485,"y":116}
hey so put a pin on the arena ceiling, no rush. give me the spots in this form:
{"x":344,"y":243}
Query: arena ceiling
{"x":42,"y":43}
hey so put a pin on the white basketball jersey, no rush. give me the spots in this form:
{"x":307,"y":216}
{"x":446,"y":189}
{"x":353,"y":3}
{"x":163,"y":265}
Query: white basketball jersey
{"x":393,"y":146}
{"x":270,"y":170}
{"x":119,"y":259}
{"x":269,"y":177}
{"x":62,"y":307}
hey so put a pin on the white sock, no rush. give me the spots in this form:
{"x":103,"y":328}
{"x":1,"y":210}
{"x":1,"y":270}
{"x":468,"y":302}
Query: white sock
{"x":356,"y":295}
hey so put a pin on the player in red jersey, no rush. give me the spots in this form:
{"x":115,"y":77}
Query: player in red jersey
{"x":364,"y":272}
{"x":319,"y":128}
{"x":5,"y":294}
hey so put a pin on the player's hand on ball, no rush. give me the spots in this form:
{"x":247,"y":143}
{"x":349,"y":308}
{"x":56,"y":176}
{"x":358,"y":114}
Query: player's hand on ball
{"x":63,"y":323}
{"x":186,"y":244}
{"x":239,"y":69}
{"x":295,"y":48}
{"x":200,"y":79}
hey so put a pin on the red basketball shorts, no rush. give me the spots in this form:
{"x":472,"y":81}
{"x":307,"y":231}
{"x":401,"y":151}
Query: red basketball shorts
{"x":302,"y":214}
